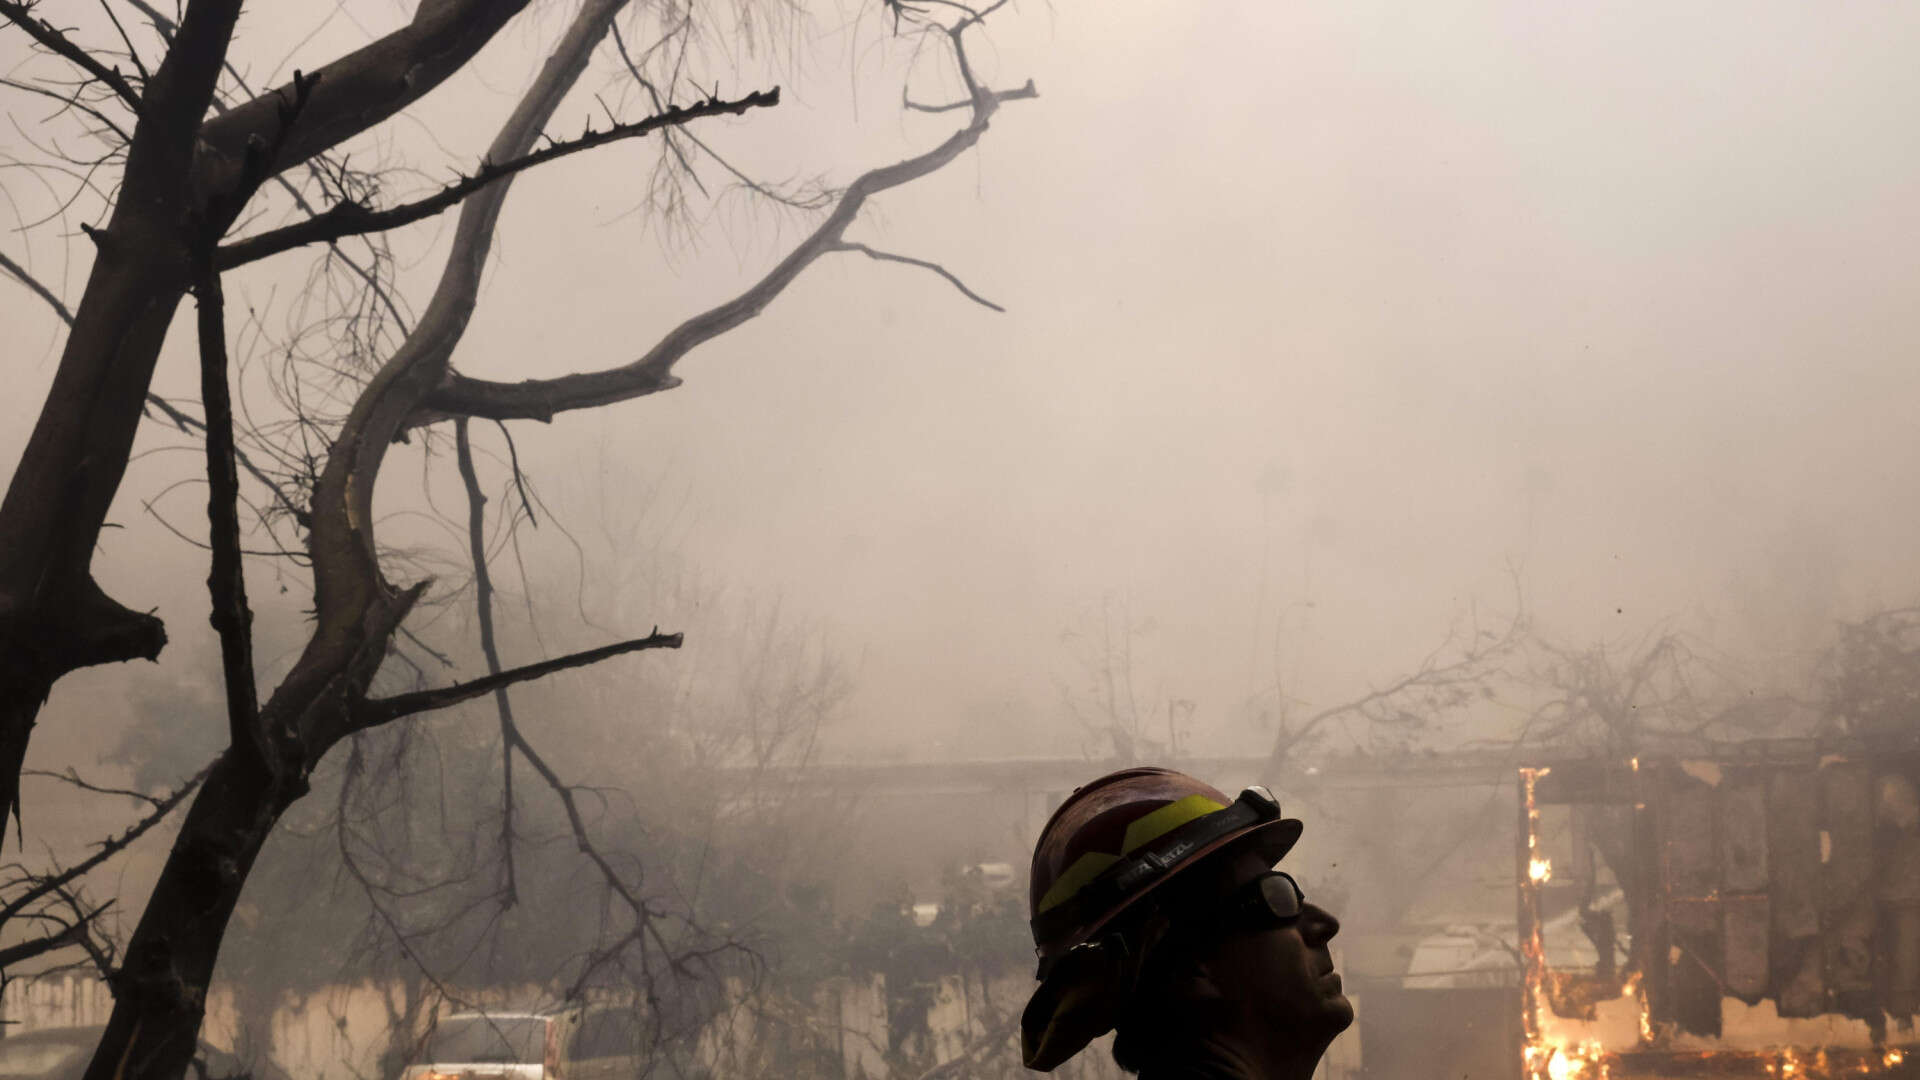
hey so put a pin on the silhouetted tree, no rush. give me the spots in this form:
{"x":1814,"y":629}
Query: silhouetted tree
{"x":180,"y":182}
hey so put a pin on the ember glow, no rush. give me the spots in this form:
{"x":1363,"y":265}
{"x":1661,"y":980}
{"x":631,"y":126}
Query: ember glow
{"x":1557,"y":1047}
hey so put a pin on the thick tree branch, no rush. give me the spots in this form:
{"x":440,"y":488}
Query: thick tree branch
{"x":542,"y":399}
{"x":350,"y":592}
{"x":358,"y":90}
{"x":883,"y":256}
{"x":352,"y":219}
{"x":226,"y":577}
{"x":382,"y":710}
{"x":165,"y":27}
{"x":20,"y":13}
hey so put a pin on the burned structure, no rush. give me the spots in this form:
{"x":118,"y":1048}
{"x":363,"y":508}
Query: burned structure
{"x":1752,"y":911}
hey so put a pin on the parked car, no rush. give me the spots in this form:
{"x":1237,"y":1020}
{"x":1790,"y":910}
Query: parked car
{"x":63,"y":1053}
{"x":599,"y":1042}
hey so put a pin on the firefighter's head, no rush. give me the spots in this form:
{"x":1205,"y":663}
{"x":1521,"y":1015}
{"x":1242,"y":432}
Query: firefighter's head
{"x":1157,"y":912}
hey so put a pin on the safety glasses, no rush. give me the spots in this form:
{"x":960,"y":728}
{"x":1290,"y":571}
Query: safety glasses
{"x":1273,"y":898}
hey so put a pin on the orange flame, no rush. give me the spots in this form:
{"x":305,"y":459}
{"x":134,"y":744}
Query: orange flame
{"x":1552,"y":1054}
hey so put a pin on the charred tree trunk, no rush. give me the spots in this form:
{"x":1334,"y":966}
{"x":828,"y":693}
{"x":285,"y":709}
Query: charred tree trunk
{"x":53,"y":618}
{"x":160,"y":992}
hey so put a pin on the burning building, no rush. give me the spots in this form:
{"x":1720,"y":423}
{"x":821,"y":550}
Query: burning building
{"x":1750,"y":912}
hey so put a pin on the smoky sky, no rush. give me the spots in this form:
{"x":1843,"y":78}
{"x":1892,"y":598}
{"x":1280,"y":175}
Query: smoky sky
{"x":1326,"y":323}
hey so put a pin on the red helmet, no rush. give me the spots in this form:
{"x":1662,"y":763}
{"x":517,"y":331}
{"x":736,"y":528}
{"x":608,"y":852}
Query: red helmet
{"x":1112,"y":843}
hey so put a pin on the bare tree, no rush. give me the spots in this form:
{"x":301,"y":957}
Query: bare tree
{"x":182,"y":181}
{"x":1458,"y":673}
{"x":1870,"y":678}
{"x":1628,"y":697}
{"x":1122,"y":722}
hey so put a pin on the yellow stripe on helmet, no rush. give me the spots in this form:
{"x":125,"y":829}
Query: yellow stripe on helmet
{"x":1084,"y":869}
{"x":1166,"y":819}
{"x":1144,"y":830}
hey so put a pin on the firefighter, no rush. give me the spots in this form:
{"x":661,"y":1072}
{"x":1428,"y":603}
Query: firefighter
{"x":1157,"y":914}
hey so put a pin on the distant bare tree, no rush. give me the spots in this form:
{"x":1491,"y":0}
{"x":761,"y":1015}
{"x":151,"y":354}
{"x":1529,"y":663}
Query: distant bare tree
{"x":1459,"y":673}
{"x":1870,"y":678}
{"x":1123,"y":722}
{"x":182,"y":182}
{"x":1626,"y":697}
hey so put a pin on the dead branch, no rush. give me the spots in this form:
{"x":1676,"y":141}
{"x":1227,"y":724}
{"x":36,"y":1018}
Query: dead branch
{"x":165,"y":27}
{"x":176,"y":168}
{"x":345,"y":219}
{"x":226,"y":577}
{"x":72,"y":776}
{"x":73,"y":933}
{"x":483,"y":603}
{"x":382,"y":710}
{"x":911,"y":105}
{"x":542,"y":399}
{"x":349,"y":586}
{"x":514,"y":740}
{"x":359,"y":90}
{"x":34,"y":286}
{"x":20,"y":13}
{"x":1477,"y":661}
{"x":883,"y":256}
{"x":108,"y":849}
{"x":133,"y":54}
{"x":72,"y":100}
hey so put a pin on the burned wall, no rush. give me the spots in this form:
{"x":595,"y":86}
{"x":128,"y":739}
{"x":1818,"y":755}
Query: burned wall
{"x":1794,"y":879}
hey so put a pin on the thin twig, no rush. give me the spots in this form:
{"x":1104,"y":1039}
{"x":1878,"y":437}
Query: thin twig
{"x":884,"y":256}
{"x":73,"y":777}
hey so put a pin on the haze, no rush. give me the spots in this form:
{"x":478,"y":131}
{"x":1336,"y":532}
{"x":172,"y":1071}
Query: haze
{"x":1326,"y":323}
